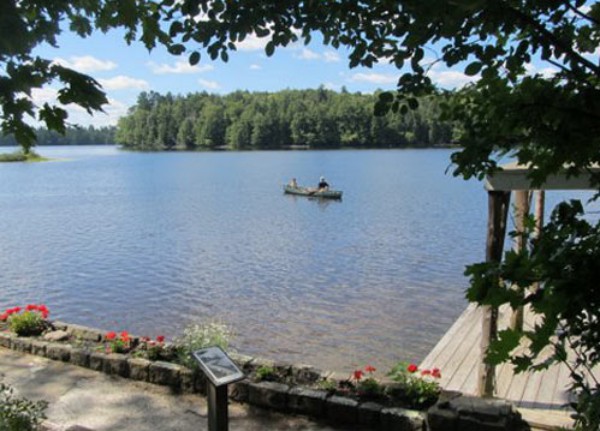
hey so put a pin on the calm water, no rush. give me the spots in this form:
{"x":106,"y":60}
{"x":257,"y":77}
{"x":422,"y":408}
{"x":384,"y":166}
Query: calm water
{"x":151,"y":243}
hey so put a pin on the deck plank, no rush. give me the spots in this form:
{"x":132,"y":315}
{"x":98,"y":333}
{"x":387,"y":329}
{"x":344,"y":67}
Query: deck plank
{"x":540,"y":396}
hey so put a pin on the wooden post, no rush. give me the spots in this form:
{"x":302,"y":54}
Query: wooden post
{"x":521,"y":212}
{"x":539,"y":222}
{"x":498,"y":202}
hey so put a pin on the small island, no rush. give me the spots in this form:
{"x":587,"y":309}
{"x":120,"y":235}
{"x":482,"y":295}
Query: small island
{"x":21,"y":156}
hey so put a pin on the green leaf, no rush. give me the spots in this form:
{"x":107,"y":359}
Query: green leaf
{"x":194,"y":58}
{"x":473,"y":68}
{"x":176,"y":49}
{"x":270,"y":48}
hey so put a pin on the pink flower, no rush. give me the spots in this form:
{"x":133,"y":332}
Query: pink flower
{"x":370,"y":369}
{"x":425,"y":372}
{"x":4,"y":317}
{"x":412,"y":368}
{"x":436,"y":373}
{"x":111,"y":335}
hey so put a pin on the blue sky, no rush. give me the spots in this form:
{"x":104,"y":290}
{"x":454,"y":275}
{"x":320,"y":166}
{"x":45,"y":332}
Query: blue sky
{"x":124,"y":71}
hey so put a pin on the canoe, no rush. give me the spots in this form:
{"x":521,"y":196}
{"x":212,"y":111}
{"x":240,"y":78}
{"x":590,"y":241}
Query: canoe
{"x":305,"y":191}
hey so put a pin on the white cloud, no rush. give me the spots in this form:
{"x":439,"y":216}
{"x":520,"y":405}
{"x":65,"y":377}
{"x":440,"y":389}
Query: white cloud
{"x":86,"y":64}
{"x":331,"y":57}
{"x":374,"y":78}
{"x":212,"y":85}
{"x":255,"y":67}
{"x":181,"y":66}
{"x":122,"y":82}
{"x":79,"y":116}
{"x":546,"y":72}
{"x":450,"y":78}
{"x":307,"y":54}
{"x":252,"y":43}
{"x":332,"y":86}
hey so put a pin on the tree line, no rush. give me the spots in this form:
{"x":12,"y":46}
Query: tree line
{"x":73,"y":136}
{"x":317,"y":118}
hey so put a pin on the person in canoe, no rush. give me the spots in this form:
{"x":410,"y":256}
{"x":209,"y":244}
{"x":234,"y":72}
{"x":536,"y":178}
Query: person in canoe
{"x":293,"y":183}
{"x":323,"y":185}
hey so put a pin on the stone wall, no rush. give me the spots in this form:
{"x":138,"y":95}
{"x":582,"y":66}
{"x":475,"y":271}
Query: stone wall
{"x":453,"y":412}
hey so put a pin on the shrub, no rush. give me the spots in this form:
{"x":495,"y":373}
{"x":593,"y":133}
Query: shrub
{"x":419,"y":388}
{"x":266,"y":373}
{"x":200,"y":336}
{"x":32,"y":320}
{"x":18,"y":414}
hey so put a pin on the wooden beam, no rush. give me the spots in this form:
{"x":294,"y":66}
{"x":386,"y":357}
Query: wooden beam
{"x":498,"y":203}
{"x":521,"y":212}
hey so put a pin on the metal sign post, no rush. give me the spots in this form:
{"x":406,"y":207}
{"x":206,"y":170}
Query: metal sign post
{"x":220,"y":370}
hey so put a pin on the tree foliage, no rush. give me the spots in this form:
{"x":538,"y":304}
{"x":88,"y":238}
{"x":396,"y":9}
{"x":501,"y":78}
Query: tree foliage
{"x":309,"y":118}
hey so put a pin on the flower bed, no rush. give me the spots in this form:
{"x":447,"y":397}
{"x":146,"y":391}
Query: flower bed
{"x":399,"y":403}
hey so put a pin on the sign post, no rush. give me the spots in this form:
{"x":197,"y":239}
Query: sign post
{"x":220,"y":370}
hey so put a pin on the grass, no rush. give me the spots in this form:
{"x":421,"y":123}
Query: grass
{"x":19,"y":156}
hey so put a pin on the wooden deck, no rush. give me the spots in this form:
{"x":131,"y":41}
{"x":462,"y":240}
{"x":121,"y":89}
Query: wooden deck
{"x":540,"y":396}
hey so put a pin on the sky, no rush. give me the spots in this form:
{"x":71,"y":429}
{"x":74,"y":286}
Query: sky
{"x":126,"y":70}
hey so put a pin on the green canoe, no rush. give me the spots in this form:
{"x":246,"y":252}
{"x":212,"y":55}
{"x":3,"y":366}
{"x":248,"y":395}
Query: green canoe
{"x":305,"y":191}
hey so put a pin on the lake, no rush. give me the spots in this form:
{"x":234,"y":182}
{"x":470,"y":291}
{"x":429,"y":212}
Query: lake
{"x":154,"y":242}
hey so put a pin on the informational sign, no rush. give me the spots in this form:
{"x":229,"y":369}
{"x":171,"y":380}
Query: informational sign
{"x":217,"y":366}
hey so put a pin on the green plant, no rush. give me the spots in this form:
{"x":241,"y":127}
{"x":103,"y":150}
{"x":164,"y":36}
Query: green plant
{"x":118,"y":343}
{"x":419,"y":387}
{"x":266,"y":372}
{"x":26,"y":322}
{"x":19,"y":414}
{"x":199,"y":336}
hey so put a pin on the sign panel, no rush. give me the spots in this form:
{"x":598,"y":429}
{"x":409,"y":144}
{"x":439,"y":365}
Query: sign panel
{"x":217,"y":366}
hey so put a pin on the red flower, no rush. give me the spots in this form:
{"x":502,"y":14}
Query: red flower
{"x":357,"y":375}
{"x":110,"y":335}
{"x":412,"y":368}
{"x":160,"y":338}
{"x":44,"y":313}
{"x":370,"y":369}
{"x":16,"y":309}
{"x":4,"y":317}
{"x":124,"y":336}
{"x":436,"y":373}
{"x":425,"y":372}
{"x":31,"y":307}
{"x":43,"y":308}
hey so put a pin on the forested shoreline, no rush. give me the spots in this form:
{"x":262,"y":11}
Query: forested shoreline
{"x":286,"y":119}
{"x":73,"y":136}
{"x":244,"y":121}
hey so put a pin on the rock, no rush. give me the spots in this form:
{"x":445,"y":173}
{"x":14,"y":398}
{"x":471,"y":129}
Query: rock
{"x":56,"y":336}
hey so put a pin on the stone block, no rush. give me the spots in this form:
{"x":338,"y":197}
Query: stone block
{"x":342,"y":410}
{"x":58,"y":325}
{"x":58,"y":352}
{"x":467,"y":413}
{"x":116,"y":364}
{"x":242,"y":361}
{"x":398,"y":419}
{"x":97,"y":361}
{"x":238,"y":391}
{"x":80,"y":357}
{"x":21,"y":344}
{"x":369,"y":415}
{"x":139,"y":369}
{"x":58,"y":335}
{"x":307,"y":401}
{"x":268,"y":394}
{"x":6,"y":339}
{"x":187,"y":380}
{"x":84,"y":333}
{"x":165,"y":373}
{"x":38,"y":347}
{"x":305,"y":374}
